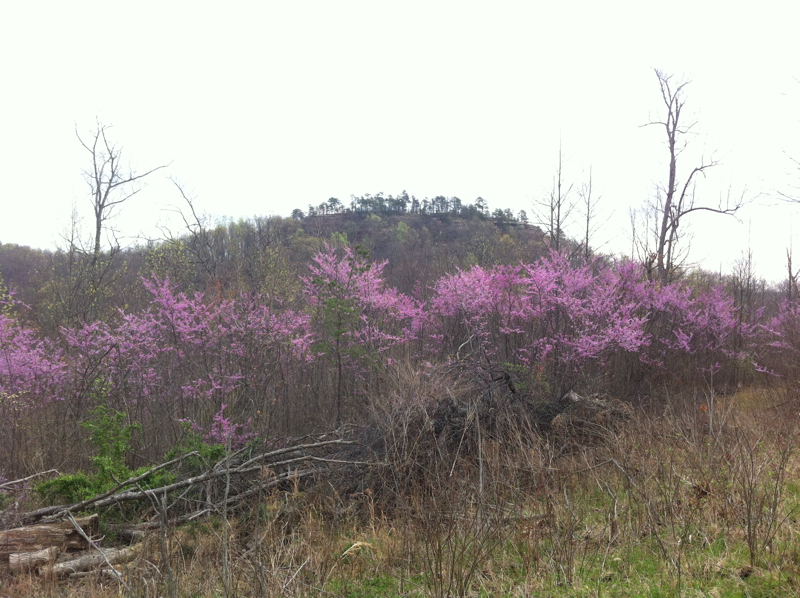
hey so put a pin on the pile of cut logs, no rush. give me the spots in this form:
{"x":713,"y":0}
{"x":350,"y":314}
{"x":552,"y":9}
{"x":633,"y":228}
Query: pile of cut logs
{"x":53,"y":542}
{"x":62,"y":549}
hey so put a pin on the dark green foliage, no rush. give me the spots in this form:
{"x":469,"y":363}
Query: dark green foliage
{"x":111,"y":437}
{"x":208,"y":454}
{"x":70,"y":488}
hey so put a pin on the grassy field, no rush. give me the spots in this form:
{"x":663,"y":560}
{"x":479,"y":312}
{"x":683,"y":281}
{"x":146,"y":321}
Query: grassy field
{"x":696,"y":496}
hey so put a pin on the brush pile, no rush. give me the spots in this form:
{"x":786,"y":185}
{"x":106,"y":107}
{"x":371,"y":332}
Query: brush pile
{"x":52,"y":541}
{"x":412,"y":439}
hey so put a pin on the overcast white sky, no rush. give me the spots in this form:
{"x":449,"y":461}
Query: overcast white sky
{"x":263,"y":107}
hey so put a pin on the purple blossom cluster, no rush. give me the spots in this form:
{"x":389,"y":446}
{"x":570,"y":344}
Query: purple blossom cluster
{"x":223,"y":365}
{"x":570,"y":319}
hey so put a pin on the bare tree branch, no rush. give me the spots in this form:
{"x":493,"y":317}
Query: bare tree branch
{"x":792,"y":197}
{"x":201,"y":246}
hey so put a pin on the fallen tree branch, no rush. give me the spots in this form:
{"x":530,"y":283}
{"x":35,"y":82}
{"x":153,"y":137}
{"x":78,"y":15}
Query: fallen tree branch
{"x":130,"y":481}
{"x":95,"y":546}
{"x":112,"y":573}
{"x":290,"y":449}
{"x":232,"y":500}
{"x":114,"y":496}
{"x":30,"y":477}
{"x":274,"y":482}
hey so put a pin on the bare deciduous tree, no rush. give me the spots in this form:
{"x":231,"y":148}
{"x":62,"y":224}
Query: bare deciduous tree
{"x":677,"y":198}
{"x":589,"y":211}
{"x":110,"y":182}
{"x":199,"y":244}
{"x":792,"y":193}
{"x":87,"y":273}
{"x":553,"y":212}
{"x":791,"y":279}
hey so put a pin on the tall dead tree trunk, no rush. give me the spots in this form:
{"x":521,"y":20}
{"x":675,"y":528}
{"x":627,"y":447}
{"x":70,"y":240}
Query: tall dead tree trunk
{"x":554,"y":211}
{"x":677,"y":198}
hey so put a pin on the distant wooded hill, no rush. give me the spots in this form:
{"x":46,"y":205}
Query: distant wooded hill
{"x":421,"y":239}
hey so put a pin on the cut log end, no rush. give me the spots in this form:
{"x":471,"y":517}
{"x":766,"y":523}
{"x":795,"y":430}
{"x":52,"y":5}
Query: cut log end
{"x":26,"y":562}
{"x":34,"y":538}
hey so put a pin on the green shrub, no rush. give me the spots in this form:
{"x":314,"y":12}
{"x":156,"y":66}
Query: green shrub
{"x":111,"y":437}
{"x":69,"y":488}
{"x":193,"y":442}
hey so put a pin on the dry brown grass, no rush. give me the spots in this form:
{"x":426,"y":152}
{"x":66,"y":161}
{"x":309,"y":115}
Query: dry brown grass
{"x":697,"y":495}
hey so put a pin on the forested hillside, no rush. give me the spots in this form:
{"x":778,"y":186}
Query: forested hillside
{"x":253,"y":255}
